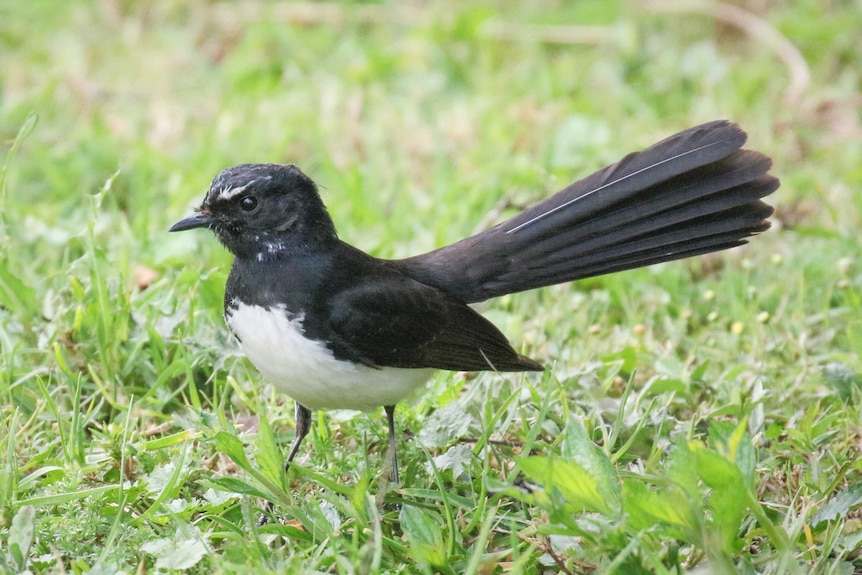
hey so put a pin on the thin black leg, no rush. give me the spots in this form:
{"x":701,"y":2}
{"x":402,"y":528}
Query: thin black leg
{"x":303,"y":425}
{"x":390,"y":419}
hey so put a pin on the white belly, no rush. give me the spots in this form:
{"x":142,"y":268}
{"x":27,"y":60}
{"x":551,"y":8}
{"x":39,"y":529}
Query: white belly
{"x":308,"y":372}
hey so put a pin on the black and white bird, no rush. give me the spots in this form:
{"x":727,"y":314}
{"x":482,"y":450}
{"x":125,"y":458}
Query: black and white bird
{"x":335,"y":328}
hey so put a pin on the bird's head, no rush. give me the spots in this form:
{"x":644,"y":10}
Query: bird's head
{"x":262,"y":210}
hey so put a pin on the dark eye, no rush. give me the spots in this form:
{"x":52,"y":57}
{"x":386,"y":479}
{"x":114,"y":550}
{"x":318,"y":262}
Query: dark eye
{"x":248,"y":203}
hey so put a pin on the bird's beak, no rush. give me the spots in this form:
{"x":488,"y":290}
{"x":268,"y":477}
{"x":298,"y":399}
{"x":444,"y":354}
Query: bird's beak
{"x":198,"y":220}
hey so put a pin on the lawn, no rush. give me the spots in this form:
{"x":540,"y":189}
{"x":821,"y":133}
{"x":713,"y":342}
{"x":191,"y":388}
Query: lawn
{"x":700,"y":416}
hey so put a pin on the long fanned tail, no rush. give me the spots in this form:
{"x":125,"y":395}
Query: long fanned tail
{"x":693,"y":193}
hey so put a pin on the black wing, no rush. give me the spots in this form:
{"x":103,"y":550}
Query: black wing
{"x":396,"y":321}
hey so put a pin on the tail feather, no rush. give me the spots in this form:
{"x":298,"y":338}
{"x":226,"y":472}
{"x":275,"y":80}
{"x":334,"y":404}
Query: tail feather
{"x":693,"y":193}
{"x":618,"y":227}
{"x":645,"y":250}
{"x":678,"y":154}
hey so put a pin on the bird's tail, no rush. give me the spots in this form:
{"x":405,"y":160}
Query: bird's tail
{"x":693,"y":193}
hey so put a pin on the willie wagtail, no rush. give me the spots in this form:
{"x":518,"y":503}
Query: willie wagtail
{"x":334,"y":327}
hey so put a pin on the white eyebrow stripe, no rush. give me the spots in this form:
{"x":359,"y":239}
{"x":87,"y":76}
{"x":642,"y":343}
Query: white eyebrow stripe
{"x":230,"y":193}
{"x":618,"y":180}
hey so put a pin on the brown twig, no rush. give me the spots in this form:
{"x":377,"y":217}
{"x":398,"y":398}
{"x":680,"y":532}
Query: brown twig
{"x":753,"y":25}
{"x":489,"y":441}
{"x":545,"y":547}
{"x":327,"y":13}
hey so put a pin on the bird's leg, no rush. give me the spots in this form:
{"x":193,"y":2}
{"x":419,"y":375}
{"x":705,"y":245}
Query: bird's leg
{"x":390,"y":420}
{"x":303,"y":425}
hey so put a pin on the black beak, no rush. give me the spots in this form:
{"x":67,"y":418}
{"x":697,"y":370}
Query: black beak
{"x":198,"y":220}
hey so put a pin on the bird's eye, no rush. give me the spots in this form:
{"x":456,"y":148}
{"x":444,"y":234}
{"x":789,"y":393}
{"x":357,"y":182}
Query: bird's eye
{"x":248,"y":203}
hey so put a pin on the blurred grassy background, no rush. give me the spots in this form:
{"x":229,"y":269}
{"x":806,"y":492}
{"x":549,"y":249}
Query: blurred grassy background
{"x":419,"y":120}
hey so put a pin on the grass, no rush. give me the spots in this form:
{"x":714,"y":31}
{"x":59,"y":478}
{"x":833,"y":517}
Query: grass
{"x":700,"y":416}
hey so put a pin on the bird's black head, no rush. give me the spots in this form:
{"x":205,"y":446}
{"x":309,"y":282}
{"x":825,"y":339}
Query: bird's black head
{"x":262,"y":211}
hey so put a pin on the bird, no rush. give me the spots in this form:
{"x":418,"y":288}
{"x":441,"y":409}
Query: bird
{"x":336,"y":328}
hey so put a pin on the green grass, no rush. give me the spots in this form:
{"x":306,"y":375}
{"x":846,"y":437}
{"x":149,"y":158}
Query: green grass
{"x":700,"y":416}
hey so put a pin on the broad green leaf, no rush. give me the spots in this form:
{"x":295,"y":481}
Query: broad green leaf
{"x":578,"y":488}
{"x":231,"y":446}
{"x":669,"y":507}
{"x":106,"y":569}
{"x":21,"y":535}
{"x":852,"y":542}
{"x":180,"y":552}
{"x":233,"y":485}
{"x":840,"y":505}
{"x":727,"y":501}
{"x":716,"y":470}
{"x":445,"y":426}
{"x":728,"y":506}
{"x":700,"y":371}
{"x":455,"y":458}
{"x":629,"y":358}
{"x":163,"y":477}
{"x":424,"y":535}
{"x":268,"y":454}
{"x":578,"y":447}
{"x":665,"y":385}
{"x":16,"y":295}
{"x":682,"y":470}
{"x":733,"y":442}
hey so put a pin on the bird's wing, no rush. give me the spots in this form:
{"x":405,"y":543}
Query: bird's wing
{"x":395,"y":321}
